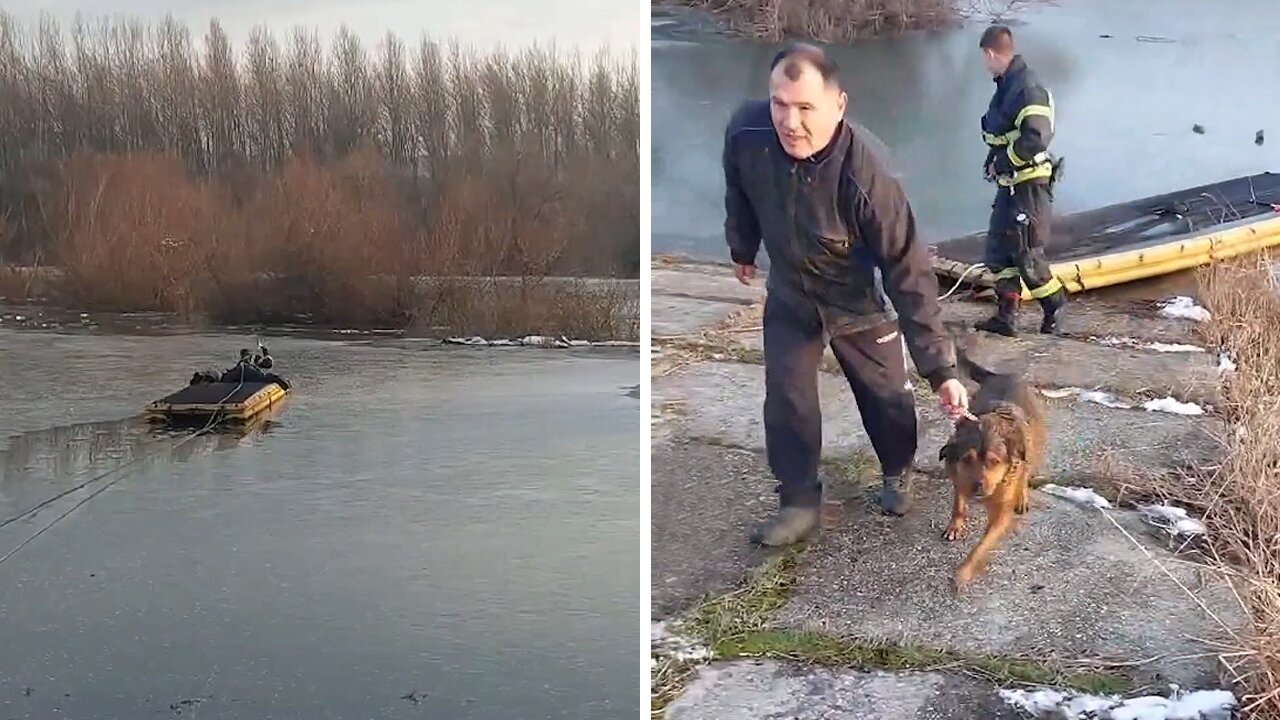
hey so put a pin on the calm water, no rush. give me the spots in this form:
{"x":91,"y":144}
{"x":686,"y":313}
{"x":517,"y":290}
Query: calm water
{"x":422,"y":532}
{"x":1125,"y":105}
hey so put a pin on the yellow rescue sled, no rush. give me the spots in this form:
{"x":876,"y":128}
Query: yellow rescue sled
{"x":1144,"y":238}
{"x":224,"y":400}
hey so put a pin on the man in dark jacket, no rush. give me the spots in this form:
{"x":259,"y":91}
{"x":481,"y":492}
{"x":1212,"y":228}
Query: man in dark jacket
{"x":839,"y":232}
{"x":1017,"y":128}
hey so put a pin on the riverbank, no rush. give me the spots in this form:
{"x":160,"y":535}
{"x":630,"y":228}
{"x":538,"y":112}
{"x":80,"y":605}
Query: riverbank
{"x":1093,"y":597}
{"x":493,"y":308}
{"x":270,"y":183}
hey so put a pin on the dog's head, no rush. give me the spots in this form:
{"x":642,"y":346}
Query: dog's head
{"x":982,"y":452}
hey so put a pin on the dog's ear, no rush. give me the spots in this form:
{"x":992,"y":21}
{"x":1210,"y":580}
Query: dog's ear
{"x":944,"y":452}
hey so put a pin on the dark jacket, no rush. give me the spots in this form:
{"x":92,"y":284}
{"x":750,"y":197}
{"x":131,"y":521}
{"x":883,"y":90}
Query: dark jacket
{"x":1019,"y":103}
{"x":839,"y":233}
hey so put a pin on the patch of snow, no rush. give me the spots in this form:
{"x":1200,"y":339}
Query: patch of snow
{"x":1174,"y":347}
{"x":538,"y":341}
{"x":1169,"y":405}
{"x":1225,"y":363}
{"x":1196,"y":705}
{"x":564,"y":342}
{"x":1154,"y":346}
{"x":1078,"y":495}
{"x":1183,"y":308}
{"x":1105,"y":399}
{"x":665,"y":643}
{"x":1171,"y":518}
{"x":1094,"y":396}
{"x":467,"y":341}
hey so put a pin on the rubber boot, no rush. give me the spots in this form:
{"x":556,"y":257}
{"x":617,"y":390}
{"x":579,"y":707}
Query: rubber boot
{"x":1053,"y":306}
{"x":1002,"y":323}
{"x":791,"y":525}
{"x":894,"y":497}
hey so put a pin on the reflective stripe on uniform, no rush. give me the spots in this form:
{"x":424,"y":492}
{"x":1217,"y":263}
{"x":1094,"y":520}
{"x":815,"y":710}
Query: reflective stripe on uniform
{"x":1038,"y":158}
{"x":1033,"y":172}
{"x":995,"y":140}
{"x":1030,"y":110}
{"x":1047,"y":289}
{"x":1007,"y":274}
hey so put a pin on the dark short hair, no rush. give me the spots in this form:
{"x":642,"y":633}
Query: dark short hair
{"x":794,"y":57}
{"x":998,"y":38}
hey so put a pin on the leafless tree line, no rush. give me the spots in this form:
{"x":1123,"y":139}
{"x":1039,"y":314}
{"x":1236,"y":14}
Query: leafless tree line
{"x":463,"y":133}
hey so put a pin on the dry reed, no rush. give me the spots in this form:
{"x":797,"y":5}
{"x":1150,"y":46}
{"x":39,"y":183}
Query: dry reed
{"x":1239,"y":499}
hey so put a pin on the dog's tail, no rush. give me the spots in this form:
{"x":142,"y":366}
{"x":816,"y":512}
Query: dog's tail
{"x":979,"y":373}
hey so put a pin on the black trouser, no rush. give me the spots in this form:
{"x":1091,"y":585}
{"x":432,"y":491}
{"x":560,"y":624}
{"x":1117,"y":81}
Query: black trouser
{"x":874,"y":363}
{"x":1015,"y":247}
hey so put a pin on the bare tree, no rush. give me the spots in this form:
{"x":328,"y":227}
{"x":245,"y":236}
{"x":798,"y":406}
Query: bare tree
{"x":177,"y":104}
{"x":350,"y":110}
{"x":264,"y":99}
{"x":394,"y":91}
{"x":307,"y":87}
{"x":220,"y":101}
{"x":432,"y":113}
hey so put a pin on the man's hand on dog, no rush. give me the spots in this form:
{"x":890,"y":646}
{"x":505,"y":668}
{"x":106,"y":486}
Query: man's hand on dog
{"x":954,"y":399}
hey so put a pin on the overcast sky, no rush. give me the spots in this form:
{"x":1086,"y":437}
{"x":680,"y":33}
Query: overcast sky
{"x":587,"y":24}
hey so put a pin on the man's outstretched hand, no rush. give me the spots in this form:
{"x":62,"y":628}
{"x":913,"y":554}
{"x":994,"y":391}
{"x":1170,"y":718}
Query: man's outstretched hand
{"x":744,"y":273}
{"x":954,"y":399}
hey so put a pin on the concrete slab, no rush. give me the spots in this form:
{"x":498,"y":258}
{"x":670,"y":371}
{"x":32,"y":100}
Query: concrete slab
{"x":1060,"y":362}
{"x":704,"y":501}
{"x":723,"y":402}
{"x":1087,"y":439}
{"x":1068,"y":585}
{"x":1049,"y":362}
{"x":682,"y":316}
{"x":712,"y":283}
{"x":766,"y":689}
{"x":1088,"y":315}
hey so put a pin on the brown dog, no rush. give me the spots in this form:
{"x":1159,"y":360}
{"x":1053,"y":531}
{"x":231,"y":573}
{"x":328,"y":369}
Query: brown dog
{"x":991,"y":458}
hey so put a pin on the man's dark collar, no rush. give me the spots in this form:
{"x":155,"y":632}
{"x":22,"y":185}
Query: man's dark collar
{"x":1016,"y":65}
{"x":829,"y":148}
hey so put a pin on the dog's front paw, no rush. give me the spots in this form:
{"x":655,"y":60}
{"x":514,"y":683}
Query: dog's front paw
{"x":955,"y":530}
{"x":964,"y":575}
{"x":1024,"y":505}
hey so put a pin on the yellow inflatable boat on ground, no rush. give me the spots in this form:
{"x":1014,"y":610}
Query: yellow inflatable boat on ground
{"x":1141,"y":239}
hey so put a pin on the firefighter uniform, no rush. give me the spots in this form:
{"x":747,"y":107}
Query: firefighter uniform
{"x":1017,"y":128}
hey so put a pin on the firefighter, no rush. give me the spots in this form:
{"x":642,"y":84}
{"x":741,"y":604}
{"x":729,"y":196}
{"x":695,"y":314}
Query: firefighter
{"x":1017,"y":128}
{"x":840,"y":234}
